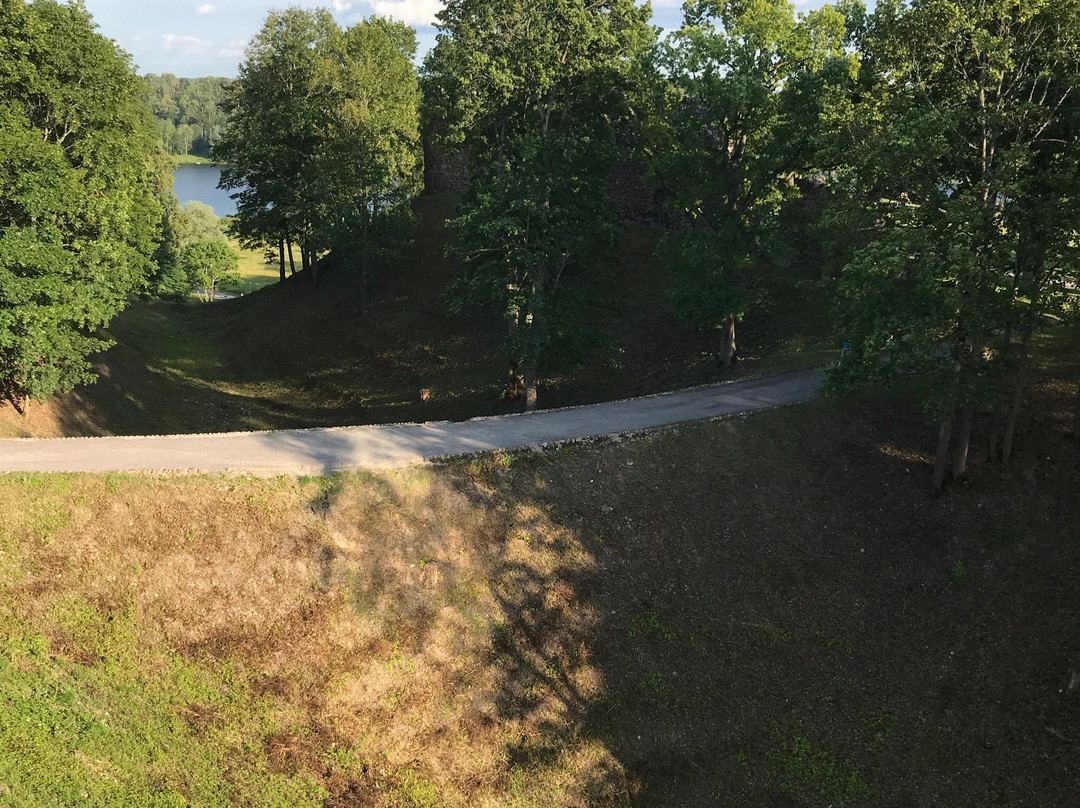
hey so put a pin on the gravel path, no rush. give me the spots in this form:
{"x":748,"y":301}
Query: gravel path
{"x":323,"y":451}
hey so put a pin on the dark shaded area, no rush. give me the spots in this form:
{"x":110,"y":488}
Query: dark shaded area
{"x":787,"y":619}
{"x":297,"y":355}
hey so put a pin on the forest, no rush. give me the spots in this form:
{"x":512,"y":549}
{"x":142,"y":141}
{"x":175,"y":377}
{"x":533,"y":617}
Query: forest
{"x":187,"y":112}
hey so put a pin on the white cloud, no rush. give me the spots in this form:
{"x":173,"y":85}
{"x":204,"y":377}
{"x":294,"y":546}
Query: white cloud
{"x":342,"y":5}
{"x":185,"y":44}
{"x":234,"y":50}
{"x":206,"y":8}
{"x":410,"y":12}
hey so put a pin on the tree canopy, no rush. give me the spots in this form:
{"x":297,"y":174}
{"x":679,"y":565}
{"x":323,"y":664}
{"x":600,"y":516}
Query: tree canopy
{"x":743,"y":95}
{"x":80,"y":188}
{"x":536,"y":93}
{"x":964,"y":173}
{"x":188,"y":112}
{"x":322,"y":140}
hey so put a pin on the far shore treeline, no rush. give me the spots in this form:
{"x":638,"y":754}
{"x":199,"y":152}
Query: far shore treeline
{"x":929,"y":149}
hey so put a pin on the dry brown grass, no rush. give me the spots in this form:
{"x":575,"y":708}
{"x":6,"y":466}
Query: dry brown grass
{"x":758,"y":611}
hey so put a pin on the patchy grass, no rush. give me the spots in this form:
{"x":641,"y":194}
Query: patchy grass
{"x":293,"y":355}
{"x":757,"y":611}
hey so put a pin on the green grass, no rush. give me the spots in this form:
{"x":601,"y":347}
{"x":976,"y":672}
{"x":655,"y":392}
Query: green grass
{"x":190,"y":159}
{"x":255,"y":271}
{"x":752,"y":612}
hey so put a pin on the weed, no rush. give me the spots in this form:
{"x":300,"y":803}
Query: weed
{"x":958,"y":574}
{"x":812,"y":776}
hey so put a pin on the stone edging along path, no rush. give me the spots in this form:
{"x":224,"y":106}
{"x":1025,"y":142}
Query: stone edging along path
{"x":324,"y":451}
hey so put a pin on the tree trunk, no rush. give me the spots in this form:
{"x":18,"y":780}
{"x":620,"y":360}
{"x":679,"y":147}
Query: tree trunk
{"x":1076,"y":414}
{"x":532,"y":360}
{"x":727,"y":344}
{"x":281,"y":258}
{"x":1010,"y":423}
{"x":996,"y":424}
{"x":967,"y":413}
{"x":363,"y":281}
{"x":941,"y":461}
{"x":530,"y":387}
{"x":292,"y":263}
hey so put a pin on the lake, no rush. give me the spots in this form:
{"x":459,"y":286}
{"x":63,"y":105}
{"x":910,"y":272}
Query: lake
{"x":198,"y":183}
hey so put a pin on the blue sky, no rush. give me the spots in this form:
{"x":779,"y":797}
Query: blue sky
{"x":196,"y":38}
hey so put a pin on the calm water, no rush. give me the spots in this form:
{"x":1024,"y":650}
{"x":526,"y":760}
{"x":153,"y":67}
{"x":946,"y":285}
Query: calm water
{"x":199,"y":184}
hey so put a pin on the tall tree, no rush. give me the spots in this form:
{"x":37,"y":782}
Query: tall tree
{"x":79,"y":219}
{"x":744,"y":91}
{"x":368,"y":165}
{"x":322,"y":139}
{"x":962,"y":173}
{"x":535,"y":91}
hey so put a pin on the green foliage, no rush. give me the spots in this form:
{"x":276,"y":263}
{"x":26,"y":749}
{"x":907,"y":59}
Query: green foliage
{"x":962,"y":178}
{"x":335,"y":107}
{"x":198,"y":222}
{"x":207,"y":264}
{"x":80,"y":195}
{"x":743,"y":97}
{"x":536,"y":94}
{"x":188,"y":112}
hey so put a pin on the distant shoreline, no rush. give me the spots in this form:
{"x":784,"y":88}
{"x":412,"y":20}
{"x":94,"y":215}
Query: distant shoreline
{"x":190,"y":160}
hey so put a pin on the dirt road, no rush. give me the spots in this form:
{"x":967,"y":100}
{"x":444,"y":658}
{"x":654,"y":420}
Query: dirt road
{"x":323,"y":451}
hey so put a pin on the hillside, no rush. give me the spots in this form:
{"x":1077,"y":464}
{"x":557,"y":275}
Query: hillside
{"x":294,"y":355}
{"x":763,"y":611}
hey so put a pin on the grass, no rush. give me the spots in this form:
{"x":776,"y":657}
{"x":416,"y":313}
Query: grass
{"x":190,"y":159}
{"x":256,"y":273}
{"x":757,"y":611}
{"x":293,"y":355}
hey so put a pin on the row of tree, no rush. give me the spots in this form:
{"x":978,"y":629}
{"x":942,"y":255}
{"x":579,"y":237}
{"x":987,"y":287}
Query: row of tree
{"x":945,"y":132}
{"x":188,"y":112}
{"x":946,"y":129}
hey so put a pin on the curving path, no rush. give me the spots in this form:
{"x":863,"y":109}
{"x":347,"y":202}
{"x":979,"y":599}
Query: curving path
{"x":323,"y":451}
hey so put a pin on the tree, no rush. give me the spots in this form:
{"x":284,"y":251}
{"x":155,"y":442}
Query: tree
{"x":535,"y":92}
{"x":79,"y":219}
{"x":207,"y":264}
{"x":963,"y":173}
{"x":743,"y":94}
{"x":335,"y":108}
{"x":368,"y":164}
{"x":188,"y":112}
{"x":198,"y":222}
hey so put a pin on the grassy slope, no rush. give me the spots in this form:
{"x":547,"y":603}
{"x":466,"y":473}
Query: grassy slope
{"x":255,"y":272}
{"x":294,"y":355}
{"x":762,"y":611}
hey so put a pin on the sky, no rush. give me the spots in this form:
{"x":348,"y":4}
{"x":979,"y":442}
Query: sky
{"x":193,"y":38}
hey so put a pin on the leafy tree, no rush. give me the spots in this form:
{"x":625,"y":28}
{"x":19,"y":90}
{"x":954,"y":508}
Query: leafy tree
{"x":188,"y":112}
{"x":322,"y":139}
{"x":535,"y":92}
{"x":207,"y":264}
{"x":198,"y":222}
{"x":368,"y":163}
{"x":963,"y":172}
{"x":745,"y":92}
{"x":79,"y":219}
